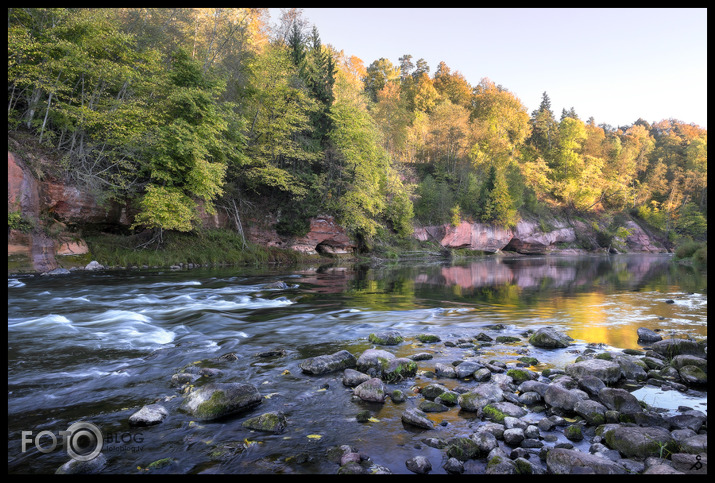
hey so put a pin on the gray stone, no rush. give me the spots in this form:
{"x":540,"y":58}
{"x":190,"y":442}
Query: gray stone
{"x":607,"y":371}
{"x":638,"y":442}
{"x":675,"y":347}
{"x":371,"y":390}
{"x":477,"y":398}
{"x":647,"y":335}
{"x":513,"y":436}
{"x":272,"y":422}
{"x":77,"y":467}
{"x":592,"y":411}
{"x":559,"y":397}
{"x":148,"y":415}
{"x":466,"y":369}
{"x":419,"y":464}
{"x":415,"y":417}
{"x":453,"y":466}
{"x":619,"y":400}
{"x":216,"y":400}
{"x":372,"y":361}
{"x":431,"y":391}
{"x":693,"y":375}
{"x":549,"y":338}
{"x":352,"y":378}
{"x":695,"y":444}
{"x":562,"y":461}
{"x":486,"y":440}
{"x":328,"y":363}
{"x":391,"y":337}
{"x":689,"y":360}
{"x":445,"y":370}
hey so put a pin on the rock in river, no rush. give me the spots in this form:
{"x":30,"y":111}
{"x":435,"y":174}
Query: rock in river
{"x":216,"y":400}
{"x":549,"y":338}
{"x":148,"y":415}
{"x":328,"y":363}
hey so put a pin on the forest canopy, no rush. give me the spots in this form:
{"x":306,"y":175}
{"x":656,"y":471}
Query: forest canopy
{"x":179,"y":110}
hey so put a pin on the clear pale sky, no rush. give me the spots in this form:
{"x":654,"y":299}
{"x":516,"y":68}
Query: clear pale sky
{"x":613,"y":64}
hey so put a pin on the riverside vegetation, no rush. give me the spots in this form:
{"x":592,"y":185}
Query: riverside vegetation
{"x":174,"y":112}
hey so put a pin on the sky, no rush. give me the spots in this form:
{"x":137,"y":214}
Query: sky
{"x":616,"y":65}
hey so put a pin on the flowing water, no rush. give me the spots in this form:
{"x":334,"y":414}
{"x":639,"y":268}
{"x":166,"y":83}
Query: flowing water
{"x":97,"y":346}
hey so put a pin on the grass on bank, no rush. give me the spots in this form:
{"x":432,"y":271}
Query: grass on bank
{"x":211,"y":247}
{"x":696,"y":252}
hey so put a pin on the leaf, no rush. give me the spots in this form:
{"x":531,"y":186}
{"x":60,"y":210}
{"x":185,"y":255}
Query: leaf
{"x":314,"y":436}
{"x":373,"y":420}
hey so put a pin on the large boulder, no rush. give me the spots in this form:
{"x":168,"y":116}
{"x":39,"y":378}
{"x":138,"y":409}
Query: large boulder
{"x":560,"y":397}
{"x":328,"y":363}
{"x":372,"y":361}
{"x":272,"y":422}
{"x":675,"y":347}
{"x":620,"y":400}
{"x":549,"y":338}
{"x":607,"y":371}
{"x":639,"y":442}
{"x":475,"y":399}
{"x":371,"y":390}
{"x":647,"y":335}
{"x":148,"y":415}
{"x":216,"y":400}
{"x":562,"y":461}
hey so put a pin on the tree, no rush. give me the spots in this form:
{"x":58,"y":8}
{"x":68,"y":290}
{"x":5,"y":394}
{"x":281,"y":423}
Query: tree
{"x":378,"y":75}
{"x":544,"y":127}
{"x":497,"y":203}
{"x":189,"y":151}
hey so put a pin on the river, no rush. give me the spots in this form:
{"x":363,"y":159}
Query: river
{"x":97,"y":346}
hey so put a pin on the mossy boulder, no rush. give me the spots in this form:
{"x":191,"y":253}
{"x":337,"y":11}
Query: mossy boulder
{"x":328,"y":363}
{"x":693,"y":375}
{"x":606,"y":370}
{"x":573,"y":432}
{"x":549,"y":338}
{"x":273,"y":422}
{"x":398,"y":369}
{"x":675,"y":347}
{"x":639,"y":442}
{"x":520,"y":375}
{"x":385,"y":338}
{"x":216,"y":400}
{"x":463,"y":448}
{"x":427,"y":338}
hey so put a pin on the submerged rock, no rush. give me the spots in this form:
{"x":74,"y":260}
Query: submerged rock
{"x":273,"y":422}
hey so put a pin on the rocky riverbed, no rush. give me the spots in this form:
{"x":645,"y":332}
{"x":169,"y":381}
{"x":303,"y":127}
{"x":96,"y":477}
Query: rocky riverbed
{"x":479,"y":404}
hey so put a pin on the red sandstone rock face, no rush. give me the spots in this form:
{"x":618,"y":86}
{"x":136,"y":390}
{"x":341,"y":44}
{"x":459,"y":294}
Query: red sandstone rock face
{"x":324,"y":236}
{"x":473,"y":236}
{"x":639,"y":241}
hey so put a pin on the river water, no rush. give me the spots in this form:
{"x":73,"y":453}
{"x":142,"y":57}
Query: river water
{"x":97,"y":346}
